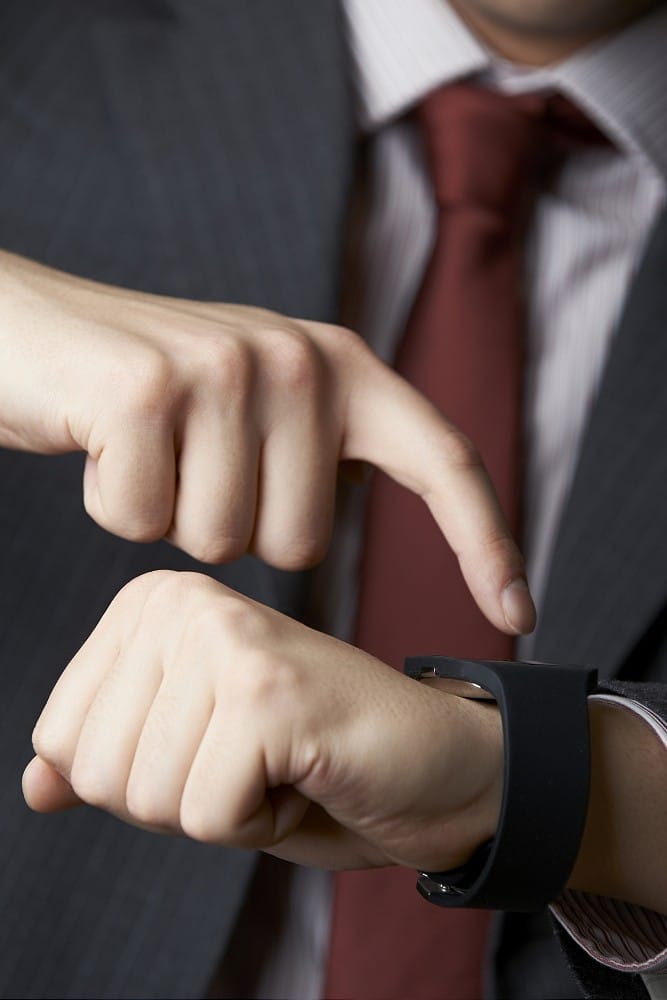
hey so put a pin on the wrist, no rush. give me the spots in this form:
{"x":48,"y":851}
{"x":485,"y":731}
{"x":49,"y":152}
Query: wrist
{"x":546,"y":749}
{"x":477,"y":746}
{"x":624,"y":830}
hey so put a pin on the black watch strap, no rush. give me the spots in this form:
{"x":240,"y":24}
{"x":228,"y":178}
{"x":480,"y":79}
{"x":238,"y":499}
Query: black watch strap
{"x":544,"y":715}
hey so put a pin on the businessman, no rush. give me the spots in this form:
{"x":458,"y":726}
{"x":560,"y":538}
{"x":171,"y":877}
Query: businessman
{"x":600,"y":635}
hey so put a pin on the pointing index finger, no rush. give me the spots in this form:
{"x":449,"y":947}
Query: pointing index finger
{"x":391,"y":425}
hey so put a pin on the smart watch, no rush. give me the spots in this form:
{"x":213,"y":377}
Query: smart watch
{"x":544,"y":713}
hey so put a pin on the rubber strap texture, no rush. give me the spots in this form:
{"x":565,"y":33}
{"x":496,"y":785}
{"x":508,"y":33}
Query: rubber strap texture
{"x":544,"y":715}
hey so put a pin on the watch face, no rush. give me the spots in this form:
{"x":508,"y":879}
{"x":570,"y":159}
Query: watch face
{"x":462,"y":689}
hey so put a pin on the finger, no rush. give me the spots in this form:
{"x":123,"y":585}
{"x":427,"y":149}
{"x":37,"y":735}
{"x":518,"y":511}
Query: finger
{"x":44,"y":790}
{"x":225,"y":799}
{"x":297,"y":489}
{"x":128,"y":486}
{"x":394,"y":427}
{"x":56,"y":732}
{"x":113,"y":723}
{"x":217,"y":490}
{"x":171,"y":736}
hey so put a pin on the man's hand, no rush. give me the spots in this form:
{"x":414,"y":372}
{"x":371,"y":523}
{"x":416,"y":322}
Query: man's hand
{"x":221,"y":427}
{"x":193,"y":710}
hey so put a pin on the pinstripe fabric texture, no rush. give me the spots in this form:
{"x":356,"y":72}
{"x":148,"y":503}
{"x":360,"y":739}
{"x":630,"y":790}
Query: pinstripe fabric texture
{"x":627,"y":936}
{"x":145,"y":143}
{"x":614,"y":526}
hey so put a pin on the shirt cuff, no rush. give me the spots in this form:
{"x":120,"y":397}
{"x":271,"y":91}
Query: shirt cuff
{"x":622,"y":936}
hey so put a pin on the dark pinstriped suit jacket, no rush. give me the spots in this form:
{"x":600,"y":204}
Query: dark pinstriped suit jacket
{"x":205,"y":149}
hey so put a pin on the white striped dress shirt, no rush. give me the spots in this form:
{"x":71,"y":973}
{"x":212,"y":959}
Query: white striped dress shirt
{"x":584,"y":247}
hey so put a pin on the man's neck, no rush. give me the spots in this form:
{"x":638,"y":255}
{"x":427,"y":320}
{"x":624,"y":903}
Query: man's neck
{"x":530,"y":46}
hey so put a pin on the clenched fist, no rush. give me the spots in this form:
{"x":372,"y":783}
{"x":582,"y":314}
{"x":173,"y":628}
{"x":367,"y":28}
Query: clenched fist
{"x":222,"y":427}
{"x":194,"y":710}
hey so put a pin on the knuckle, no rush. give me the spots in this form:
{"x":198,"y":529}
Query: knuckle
{"x":294,"y":360}
{"x":225,"y":619}
{"x":150,"y":385}
{"x":145,"y":804}
{"x":310,"y":551}
{"x":347,"y":349}
{"x":167,"y":589}
{"x":459,"y":452}
{"x":91,"y":783}
{"x":143,"y":526}
{"x":150,"y":581}
{"x":221,"y":549}
{"x":347,"y":341}
{"x":226,"y":363}
{"x":295,"y":554}
{"x":197,"y":822}
{"x":235,"y":613}
{"x":48,"y":744}
{"x":171,"y":597}
{"x":138,"y":590}
{"x":269,"y":682}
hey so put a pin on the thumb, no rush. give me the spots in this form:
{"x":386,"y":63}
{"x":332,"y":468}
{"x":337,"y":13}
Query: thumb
{"x":44,"y":790}
{"x":391,"y":425}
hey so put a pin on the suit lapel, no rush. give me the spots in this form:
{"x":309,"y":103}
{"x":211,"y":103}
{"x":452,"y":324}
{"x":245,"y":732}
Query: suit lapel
{"x":607,"y":581}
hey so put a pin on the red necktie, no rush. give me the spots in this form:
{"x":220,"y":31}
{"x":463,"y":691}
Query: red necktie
{"x":463,"y":349}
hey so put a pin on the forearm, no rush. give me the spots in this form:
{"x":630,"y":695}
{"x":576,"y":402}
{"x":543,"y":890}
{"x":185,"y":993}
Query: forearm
{"x":625,"y":837}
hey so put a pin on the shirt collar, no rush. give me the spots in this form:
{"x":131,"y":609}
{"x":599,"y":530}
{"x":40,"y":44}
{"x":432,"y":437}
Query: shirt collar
{"x":621,"y":83}
{"x":402,"y":51}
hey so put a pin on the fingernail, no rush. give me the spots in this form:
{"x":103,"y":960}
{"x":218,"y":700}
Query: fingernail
{"x":518,"y":606}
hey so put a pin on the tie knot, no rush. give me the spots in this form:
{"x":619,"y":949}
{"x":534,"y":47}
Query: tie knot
{"x":487,"y":149}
